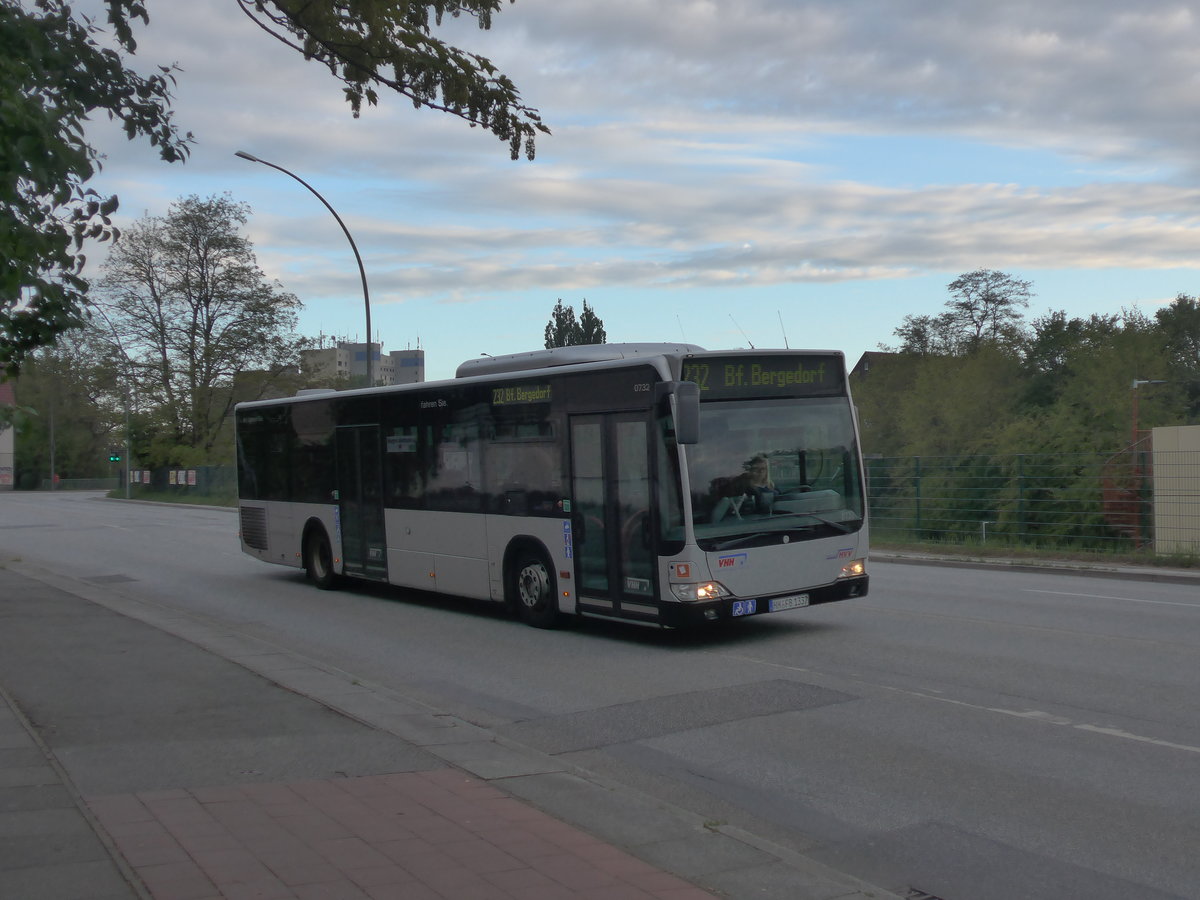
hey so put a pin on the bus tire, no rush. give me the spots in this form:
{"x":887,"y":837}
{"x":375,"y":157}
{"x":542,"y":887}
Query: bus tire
{"x":533,"y":590}
{"x":318,"y":560}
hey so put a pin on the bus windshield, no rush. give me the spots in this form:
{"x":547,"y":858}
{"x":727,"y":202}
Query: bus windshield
{"x":766,"y":467}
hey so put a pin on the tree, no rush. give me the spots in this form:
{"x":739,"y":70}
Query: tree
{"x":985,"y":305}
{"x":1053,"y":346}
{"x":54,"y":76}
{"x":187,"y":311}
{"x":565,"y":330}
{"x":562,"y":326}
{"x":924,"y":336}
{"x":957,"y":405}
{"x":591,"y":328}
{"x":73,"y":411}
{"x":1180,"y":327}
{"x":1180,"y":324}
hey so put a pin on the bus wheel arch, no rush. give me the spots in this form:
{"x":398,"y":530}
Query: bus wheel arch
{"x":318,"y":556}
{"x":530,"y":585}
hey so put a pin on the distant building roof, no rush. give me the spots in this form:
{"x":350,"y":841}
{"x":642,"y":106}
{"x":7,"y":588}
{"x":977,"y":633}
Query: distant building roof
{"x":868,"y":359}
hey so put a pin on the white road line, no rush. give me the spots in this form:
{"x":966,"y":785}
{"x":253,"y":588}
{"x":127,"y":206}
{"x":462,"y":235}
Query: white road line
{"x":1034,"y":715}
{"x":1125,"y":599}
{"x":1050,"y":719}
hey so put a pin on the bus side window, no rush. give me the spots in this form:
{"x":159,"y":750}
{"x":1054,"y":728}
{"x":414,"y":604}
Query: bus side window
{"x":404,"y":468}
{"x":524,"y":464}
{"x":312,"y":452}
{"x":455,"y":471}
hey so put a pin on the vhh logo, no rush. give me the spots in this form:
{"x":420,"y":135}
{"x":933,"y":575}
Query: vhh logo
{"x":735,"y":561}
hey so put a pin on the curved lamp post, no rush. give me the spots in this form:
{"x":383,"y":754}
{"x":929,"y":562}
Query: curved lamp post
{"x":362,"y":272}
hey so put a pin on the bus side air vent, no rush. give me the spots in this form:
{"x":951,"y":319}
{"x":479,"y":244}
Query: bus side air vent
{"x":254,"y":527}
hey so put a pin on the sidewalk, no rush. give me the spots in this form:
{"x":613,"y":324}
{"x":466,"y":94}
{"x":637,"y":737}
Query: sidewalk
{"x":1094,"y":568}
{"x":145,"y":753}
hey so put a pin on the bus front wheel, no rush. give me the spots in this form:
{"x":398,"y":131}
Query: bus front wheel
{"x":318,"y":560}
{"x":534,"y":592}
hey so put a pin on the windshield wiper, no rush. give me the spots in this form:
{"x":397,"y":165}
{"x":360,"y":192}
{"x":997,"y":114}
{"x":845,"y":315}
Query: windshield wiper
{"x":755,"y":535}
{"x":743,"y":538}
{"x":840,"y":526}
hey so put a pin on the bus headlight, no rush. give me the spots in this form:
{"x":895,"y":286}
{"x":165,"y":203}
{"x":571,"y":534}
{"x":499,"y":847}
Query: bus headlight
{"x":853,"y":569}
{"x":708,"y":590}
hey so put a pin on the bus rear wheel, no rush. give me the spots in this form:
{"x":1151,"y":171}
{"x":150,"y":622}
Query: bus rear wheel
{"x":533,"y":591}
{"x":318,"y":560}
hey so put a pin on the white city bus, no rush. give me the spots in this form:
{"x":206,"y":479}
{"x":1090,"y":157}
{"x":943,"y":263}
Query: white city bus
{"x":653,"y":483}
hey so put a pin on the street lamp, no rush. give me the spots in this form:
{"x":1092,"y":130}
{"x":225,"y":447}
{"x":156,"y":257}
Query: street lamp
{"x":362,"y":272}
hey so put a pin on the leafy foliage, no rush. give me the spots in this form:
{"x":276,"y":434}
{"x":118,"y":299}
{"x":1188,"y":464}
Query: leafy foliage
{"x":984,"y":307}
{"x":53,"y":76}
{"x":1179,"y":324}
{"x":72,"y":401}
{"x":565,"y":330}
{"x":389,"y":43}
{"x":187,"y":312}
{"x":977,"y":380}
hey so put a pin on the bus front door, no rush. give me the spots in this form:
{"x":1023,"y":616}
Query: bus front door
{"x":360,"y":502}
{"x":613,"y":541}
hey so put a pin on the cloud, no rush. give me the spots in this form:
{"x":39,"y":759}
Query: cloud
{"x":1097,"y":76}
{"x":703,"y":147}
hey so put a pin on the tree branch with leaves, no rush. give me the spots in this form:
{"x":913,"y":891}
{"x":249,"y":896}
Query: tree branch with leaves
{"x":390,"y":43}
{"x":55,"y":75}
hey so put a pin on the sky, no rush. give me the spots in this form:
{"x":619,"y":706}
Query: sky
{"x":760,"y":173}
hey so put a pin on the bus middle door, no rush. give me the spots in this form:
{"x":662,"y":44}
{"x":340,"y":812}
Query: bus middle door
{"x":614,"y":544}
{"x":360,"y":499}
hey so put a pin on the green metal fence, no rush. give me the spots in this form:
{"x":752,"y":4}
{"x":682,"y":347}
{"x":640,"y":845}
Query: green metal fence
{"x":1081,"y":501}
{"x":1131,"y":501}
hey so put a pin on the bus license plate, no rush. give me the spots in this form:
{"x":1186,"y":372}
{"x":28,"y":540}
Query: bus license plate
{"x":779,"y":604}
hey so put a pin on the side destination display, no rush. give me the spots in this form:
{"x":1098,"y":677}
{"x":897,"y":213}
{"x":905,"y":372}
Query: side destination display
{"x":761,"y":376}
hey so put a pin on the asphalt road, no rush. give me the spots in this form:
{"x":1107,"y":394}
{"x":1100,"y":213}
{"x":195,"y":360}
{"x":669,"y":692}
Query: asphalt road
{"x":967,"y":734}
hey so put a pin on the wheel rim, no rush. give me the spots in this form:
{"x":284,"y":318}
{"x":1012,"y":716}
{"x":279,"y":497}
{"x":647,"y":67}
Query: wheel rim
{"x":533,"y":585}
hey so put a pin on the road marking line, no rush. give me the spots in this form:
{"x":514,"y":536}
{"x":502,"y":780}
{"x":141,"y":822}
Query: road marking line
{"x":1051,"y":719}
{"x":1105,"y":597}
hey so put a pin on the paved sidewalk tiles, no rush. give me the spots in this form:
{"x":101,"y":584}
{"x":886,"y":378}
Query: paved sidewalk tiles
{"x":434,"y":835}
{"x":48,"y":848}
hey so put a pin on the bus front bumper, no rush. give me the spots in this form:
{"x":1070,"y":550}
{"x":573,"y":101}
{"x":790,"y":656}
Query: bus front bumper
{"x":676,"y":615}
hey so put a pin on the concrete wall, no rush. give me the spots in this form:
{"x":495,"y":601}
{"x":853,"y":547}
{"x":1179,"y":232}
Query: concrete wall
{"x":1177,"y":489}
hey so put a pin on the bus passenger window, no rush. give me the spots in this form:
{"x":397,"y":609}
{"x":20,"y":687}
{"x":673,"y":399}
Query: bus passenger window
{"x":404,"y":468}
{"x":455,"y":479}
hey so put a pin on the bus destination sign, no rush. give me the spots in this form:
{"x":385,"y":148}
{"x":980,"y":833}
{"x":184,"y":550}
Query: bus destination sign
{"x":521,"y":393}
{"x":731,"y":377}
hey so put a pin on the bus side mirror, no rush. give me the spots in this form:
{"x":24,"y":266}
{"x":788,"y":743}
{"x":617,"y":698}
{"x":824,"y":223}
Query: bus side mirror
{"x":686,"y":411}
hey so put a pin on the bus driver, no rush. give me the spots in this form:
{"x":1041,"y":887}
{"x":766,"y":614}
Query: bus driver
{"x":752,"y":491}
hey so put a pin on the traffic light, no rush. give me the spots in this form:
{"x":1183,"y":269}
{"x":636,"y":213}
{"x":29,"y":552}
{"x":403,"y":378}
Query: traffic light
{"x":114,"y":456}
